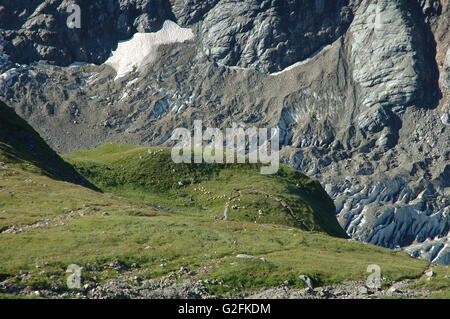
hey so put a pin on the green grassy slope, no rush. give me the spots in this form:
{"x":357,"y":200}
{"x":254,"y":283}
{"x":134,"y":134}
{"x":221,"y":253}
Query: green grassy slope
{"x":144,"y":216}
{"x":288,"y":197}
{"x":21,"y":145}
{"x":132,"y":231}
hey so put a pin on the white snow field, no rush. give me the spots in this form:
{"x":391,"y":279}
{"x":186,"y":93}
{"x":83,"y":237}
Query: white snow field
{"x":141,"y":49}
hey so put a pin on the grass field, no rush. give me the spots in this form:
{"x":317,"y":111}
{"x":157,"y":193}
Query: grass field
{"x":144,"y":216}
{"x":134,"y":207}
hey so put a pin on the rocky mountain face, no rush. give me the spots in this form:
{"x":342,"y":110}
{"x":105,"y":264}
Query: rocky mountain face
{"x":37,"y":30}
{"x":359,"y":91}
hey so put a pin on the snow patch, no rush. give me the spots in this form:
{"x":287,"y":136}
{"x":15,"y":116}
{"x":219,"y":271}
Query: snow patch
{"x":309,"y":59}
{"x":6,"y":79}
{"x":124,"y":96}
{"x":132,"y":82}
{"x":141,"y":49}
{"x":92,"y":78}
{"x":77,"y":63}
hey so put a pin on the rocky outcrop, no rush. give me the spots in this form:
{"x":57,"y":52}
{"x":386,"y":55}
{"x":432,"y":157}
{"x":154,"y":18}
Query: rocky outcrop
{"x":36,"y":30}
{"x":358,"y":89}
{"x":259,"y":33}
{"x":392,"y":215}
{"x":383,"y":58}
{"x":130,"y":286}
{"x":271,"y":35}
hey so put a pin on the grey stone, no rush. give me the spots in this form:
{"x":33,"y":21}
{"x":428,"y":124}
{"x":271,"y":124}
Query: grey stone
{"x":245,"y":256}
{"x":374,"y":119}
{"x":306,"y":280}
{"x":363,"y":290}
{"x":445,"y":118}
